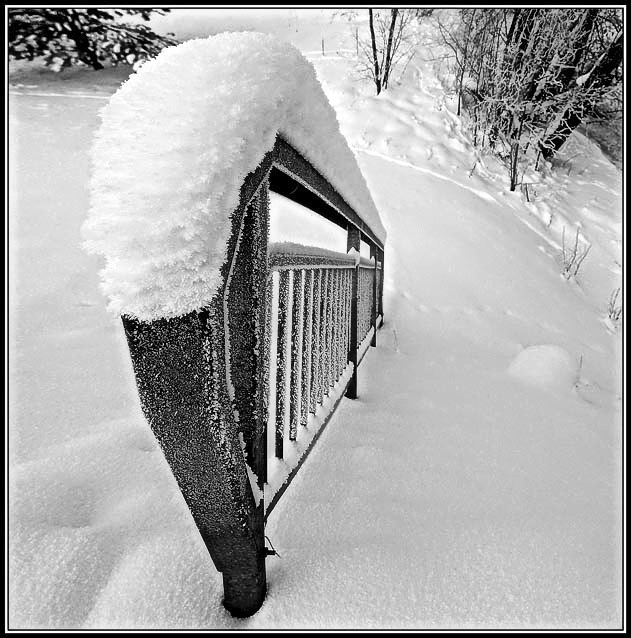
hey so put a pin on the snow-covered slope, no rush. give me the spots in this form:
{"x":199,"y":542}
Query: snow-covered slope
{"x":474,"y":483}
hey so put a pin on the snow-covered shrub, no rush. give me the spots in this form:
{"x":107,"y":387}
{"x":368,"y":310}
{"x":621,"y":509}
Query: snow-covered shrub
{"x":614,"y":311}
{"x":574,"y":257}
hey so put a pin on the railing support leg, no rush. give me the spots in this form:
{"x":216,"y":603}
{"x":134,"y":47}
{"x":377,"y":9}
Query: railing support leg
{"x":380,"y":254}
{"x":200,"y":379}
{"x":244,"y":587}
{"x":353,"y":241}
{"x":374,"y":253}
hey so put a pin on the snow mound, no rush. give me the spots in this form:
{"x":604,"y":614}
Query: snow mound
{"x":545,"y":366}
{"x":175,"y":144}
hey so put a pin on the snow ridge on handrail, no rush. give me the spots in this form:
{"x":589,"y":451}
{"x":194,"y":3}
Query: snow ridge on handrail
{"x":176,"y":143}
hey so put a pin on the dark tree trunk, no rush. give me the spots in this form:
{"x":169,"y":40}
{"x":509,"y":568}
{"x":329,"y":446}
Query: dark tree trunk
{"x":515,"y":156}
{"x":609,"y":63}
{"x":570,"y":120}
{"x":574,"y":116}
{"x":585,"y":23}
{"x":85,"y":48}
{"x":511,"y":30}
{"x":526,"y":20}
{"x":463,"y":66}
{"x":374,"y":52}
{"x":386,"y":73}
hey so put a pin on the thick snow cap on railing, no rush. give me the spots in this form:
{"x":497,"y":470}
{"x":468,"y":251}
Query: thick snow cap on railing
{"x":176,"y":142}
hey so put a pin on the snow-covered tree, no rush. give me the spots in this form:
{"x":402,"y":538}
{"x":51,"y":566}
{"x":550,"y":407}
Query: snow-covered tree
{"x":83,"y":36}
{"x":529,"y":77}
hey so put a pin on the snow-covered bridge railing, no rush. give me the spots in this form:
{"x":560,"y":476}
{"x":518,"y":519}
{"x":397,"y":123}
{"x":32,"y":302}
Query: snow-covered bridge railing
{"x":326,"y":309}
{"x":204,"y":378}
{"x":187,"y":152}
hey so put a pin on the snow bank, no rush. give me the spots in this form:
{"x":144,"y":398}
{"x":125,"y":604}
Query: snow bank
{"x":175,"y":144}
{"x":546,"y":366}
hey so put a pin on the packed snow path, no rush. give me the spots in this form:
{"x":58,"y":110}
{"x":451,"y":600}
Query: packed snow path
{"x":459,"y":490}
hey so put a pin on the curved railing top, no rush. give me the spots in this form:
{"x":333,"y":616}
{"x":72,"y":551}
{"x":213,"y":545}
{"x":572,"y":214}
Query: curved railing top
{"x":175,"y":146}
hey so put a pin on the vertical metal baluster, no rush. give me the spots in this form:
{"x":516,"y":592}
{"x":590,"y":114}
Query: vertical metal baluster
{"x":331,"y":329}
{"x":379,"y":308}
{"x":335,"y":375}
{"x":365,"y":316}
{"x":343,"y":351}
{"x":315,"y":342}
{"x":332,"y":350}
{"x":363,"y":304}
{"x":360,"y":306}
{"x":381,"y":281}
{"x":368,"y":298}
{"x":353,"y":241}
{"x":269,"y":361}
{"x":281,"y":359}
{"x":347,"y":312}
{"x":324,"y":343}
{"x":370,"y":282}
{"x":307,"y":337}
{"x":373,"y":296}
{"x":367,"y":303}
{"x":340,"y":323}
{"x":296,"y":353}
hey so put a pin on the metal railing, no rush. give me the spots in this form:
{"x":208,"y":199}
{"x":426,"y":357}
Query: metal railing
{"x":204,"y":378}
{"x":309,"y":357}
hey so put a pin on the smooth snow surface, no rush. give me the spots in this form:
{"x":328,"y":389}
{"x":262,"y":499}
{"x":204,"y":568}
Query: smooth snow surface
{"x":453,"y":493}
{"x":311,"y":229}
{"x":279,"y":469}
{"x":175,"y":145}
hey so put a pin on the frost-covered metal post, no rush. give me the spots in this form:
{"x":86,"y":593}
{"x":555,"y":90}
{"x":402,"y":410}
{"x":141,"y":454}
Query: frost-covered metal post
{"x":374,"y":253}
{"x":282,"y":332}
{"x":380,"y":257}
{"x":201,"y":383}
{"x":353,"y":242}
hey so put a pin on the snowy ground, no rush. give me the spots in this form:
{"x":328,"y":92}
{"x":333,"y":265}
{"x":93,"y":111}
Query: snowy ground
{"x":476,"y":482}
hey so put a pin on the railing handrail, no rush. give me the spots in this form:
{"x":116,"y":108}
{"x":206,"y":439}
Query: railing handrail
{"x":298,"y":180}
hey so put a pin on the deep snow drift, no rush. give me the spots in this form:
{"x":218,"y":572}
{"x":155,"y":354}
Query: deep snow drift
{"x":454,"y":492}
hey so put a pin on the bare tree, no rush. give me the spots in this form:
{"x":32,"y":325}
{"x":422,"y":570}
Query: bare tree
{"x":391,"y":43}
{"x":574,"y":257}
{"x":528,"y":77}
{"x":614,"y":311}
